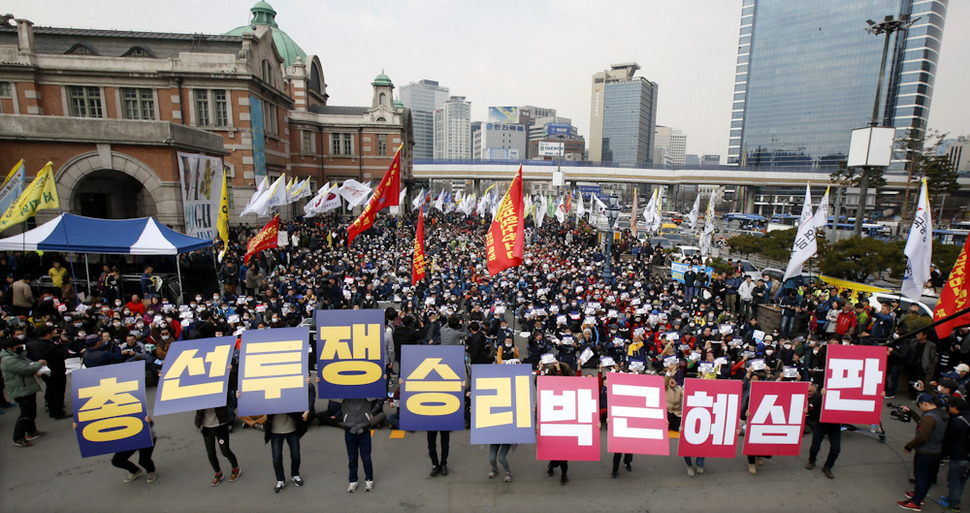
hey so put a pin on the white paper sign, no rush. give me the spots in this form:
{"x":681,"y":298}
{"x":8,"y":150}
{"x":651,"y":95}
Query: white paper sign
{"x":757,"y":365}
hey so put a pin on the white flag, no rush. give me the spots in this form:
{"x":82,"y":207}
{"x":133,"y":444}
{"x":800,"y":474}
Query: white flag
{"x":300,"y":190}
{"x":805,"y":245}
{"x":439,"y":203}
{"x":419,"y":200}
{"x":542,"y":209}
{"x":354,"y":192}
{"x":325,"y":188}
{"x":483,"y":204}
{"x":404,"y":194}
{"x":695,"y":211}
{"x":600,"y":206}
{"x":709,"y":222}
{"x":919,"y":249}
{"x":649,"y":211}
{"x":561,"y":211}
{"x":275,"y":197}
{"x":821,"y":218}
{"x":260,"y":191}
{"x":657,"y":215}
{"x":580,"y":208}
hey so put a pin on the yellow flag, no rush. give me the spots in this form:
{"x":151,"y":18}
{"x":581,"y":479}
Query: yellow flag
{"x":222,"y":223}
{"x":13,"y":171}
{"x":39,"y":195}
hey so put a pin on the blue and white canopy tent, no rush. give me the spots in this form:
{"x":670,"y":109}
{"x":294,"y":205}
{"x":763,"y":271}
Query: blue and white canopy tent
{"x":71,"y":233}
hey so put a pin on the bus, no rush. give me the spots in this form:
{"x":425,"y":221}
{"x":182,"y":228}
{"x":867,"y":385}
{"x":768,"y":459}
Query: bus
{"x":739,"y":221}
{"x":783,"y":222}
{"x":955,"y":237}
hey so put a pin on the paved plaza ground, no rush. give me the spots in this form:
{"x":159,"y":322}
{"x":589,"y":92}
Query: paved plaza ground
{"x":51,"y":476}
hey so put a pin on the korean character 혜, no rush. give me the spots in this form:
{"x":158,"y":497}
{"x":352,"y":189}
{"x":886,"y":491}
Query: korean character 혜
{"x":432,"y":394}
{"x":273,"y":371}
{"x":195,"y":375}
{"x":350,"y":346}
{"x":110,"y":408}
{"x":712,"y":414}
{"x":502,"y":399}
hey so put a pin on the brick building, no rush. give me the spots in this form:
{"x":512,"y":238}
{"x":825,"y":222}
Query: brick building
{"x":112,"y":108}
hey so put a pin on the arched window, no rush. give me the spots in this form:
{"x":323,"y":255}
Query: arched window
{"x":81,"y":49}
{"x":139,"y":51}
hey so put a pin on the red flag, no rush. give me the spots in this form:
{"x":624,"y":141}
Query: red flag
{"x":265,"y":239}
{"x":387,"y":194}
{"x":417,"y":265}
{"x":506,"y":235}
{"x":954,"y":296}
{"x":569,"y":202}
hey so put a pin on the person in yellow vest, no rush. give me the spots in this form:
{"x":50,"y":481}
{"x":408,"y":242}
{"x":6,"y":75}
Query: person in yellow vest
{"x":57,"y":274}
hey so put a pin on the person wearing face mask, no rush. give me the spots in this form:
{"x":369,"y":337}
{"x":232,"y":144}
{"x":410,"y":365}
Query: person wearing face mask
{"x":508,"y":351}
{"x":20,"y":383}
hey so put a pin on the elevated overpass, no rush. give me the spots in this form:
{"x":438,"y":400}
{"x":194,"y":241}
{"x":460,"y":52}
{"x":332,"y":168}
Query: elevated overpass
{"x":597,"y":172}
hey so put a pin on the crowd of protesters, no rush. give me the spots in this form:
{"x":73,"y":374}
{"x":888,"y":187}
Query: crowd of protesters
{"x":556,"y":303}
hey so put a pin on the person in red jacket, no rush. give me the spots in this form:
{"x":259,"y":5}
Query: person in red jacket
{"x":847,"y":322}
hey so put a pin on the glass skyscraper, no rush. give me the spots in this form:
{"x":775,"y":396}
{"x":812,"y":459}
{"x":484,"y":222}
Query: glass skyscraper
{"x":623,"y":114}
{"x":423,"y":98}
{"x":807,"y":75}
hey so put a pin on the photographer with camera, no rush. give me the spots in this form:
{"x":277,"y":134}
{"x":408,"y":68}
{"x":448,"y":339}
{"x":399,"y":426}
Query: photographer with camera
{"x":928,"y":447}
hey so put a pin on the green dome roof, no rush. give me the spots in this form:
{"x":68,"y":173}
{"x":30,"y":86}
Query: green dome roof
{"x":382,"y":80}
{"x":264,"y":14}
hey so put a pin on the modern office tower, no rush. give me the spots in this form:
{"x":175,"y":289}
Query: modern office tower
{"x":807,"y":74}
{"x":452,"y":129}
{"x":674,"y":142}
{"x":423,"y":98}
{"x":623,"y":112}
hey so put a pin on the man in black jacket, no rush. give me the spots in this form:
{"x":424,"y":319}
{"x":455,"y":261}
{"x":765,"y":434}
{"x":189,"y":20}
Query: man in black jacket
{"x":477,"y":347}
{"x":50,"y":347}
{"x":819,"y":431}
{"x":955,"y":446}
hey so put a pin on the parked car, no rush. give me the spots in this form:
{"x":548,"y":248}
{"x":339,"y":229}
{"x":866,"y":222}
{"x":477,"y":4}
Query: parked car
{"x":682,"y":253}
{"x":926,"y":304}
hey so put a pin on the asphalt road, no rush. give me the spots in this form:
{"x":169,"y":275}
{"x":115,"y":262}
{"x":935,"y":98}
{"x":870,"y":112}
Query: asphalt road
{"x":52,"y":477}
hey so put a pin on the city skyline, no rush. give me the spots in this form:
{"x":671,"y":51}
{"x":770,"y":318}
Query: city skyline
{"x":468,"y":47}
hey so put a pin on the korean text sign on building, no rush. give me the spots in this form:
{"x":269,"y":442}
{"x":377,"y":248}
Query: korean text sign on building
{"x":195,"y":375}
{"x":712,"y":410}
{"x":432,"y":390}
{"x":273,"y":371}
{"x":854,"y":381}
{"x":776,"y":418}
{"x":502,"y":400}
{"x":567,"y":414}
{"x":637,"y":413}
{"x":110,"y":408}
{"x":350,"y":348}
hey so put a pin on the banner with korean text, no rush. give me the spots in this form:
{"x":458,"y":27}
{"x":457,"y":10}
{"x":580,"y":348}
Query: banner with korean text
{"x":273,"y":371}
{"x":854,"y":381}
{"x":195,"y":375}
{"x":350,"y":348}
{"x":712,"y":412}
{"x":776,"y":418}
{"x":110,"y":408}
{"x":432,"y":388}
{"x":200,"y":193}
{"x":637,"y":414}
{"x":502,"y":400}
{"x":567,"y":413}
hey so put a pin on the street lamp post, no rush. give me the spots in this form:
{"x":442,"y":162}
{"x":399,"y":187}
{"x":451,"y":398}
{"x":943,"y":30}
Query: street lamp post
{"x":888,"y":26}
{"x":612,"y":213}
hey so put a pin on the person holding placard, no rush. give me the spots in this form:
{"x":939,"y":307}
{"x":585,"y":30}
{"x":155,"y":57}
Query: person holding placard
{"x":357,"y":422}
{"x":214,"y":423}
{"x":507,"y":352}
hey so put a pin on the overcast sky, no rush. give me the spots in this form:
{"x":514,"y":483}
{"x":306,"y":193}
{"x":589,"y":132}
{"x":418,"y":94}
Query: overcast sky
{"x":523,"y":52}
